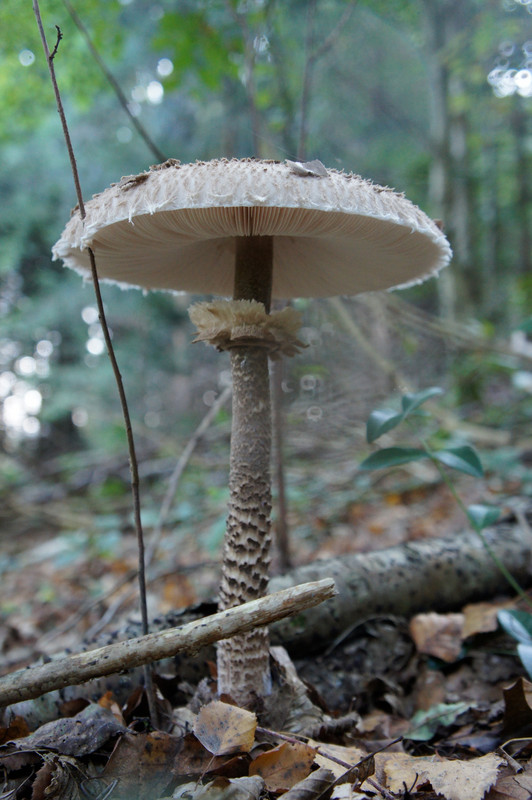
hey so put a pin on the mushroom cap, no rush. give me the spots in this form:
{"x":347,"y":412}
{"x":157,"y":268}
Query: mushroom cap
{"x":174,"y":228}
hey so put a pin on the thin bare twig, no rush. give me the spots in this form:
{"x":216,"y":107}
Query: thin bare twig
{"x":180,"y":467}
{"x":122,"y":99}
{"x":249,"y":77}
{"x":329,"y":40}
{"x":306,"y":82}
{"x":56,"y":48}
{"x":312,"y":57}
{"x":107,"y":337}
{"x":74,"y":669}
{"x":167,"y":502}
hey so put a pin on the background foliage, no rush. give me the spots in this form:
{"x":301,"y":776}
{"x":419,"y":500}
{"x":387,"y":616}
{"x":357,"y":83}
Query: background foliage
{"x":431,"y":98}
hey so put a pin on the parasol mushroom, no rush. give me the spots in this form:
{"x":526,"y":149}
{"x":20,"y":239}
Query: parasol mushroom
{"x":252,"y":230}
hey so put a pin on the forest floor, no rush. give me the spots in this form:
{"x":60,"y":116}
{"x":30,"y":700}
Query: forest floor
{"x":434,"y":706}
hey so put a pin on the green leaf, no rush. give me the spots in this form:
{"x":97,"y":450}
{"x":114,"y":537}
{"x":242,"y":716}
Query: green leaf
{"x":526,"y":326}
{"x":482,"y":516}
{"x":392,"y":457}
{"x":412,"y":401}
{"x":518,"y":624}
{"x":463,"y":459}
{"x":380,"y":422}
{"x":525,"y":654}
{"x":425,"y":723}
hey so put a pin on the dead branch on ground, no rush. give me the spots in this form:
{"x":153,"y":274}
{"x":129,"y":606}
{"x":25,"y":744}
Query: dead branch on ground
{"x":72,"y":670}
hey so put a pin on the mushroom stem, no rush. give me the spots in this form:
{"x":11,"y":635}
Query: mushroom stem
{"x":254,"y":269}
{"x":243,"y":661}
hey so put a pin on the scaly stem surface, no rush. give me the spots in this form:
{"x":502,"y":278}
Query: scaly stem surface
{"x":243,"y":661}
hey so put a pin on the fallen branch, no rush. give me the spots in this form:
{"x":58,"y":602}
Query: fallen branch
{"x":429,"y":575}
{"x":72,"y":670}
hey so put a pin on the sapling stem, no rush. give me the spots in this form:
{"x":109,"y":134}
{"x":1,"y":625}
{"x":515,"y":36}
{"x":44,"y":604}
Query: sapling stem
{"x":133,"y":463}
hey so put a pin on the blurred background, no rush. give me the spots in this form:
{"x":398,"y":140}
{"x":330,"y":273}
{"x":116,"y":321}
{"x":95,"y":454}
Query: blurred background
{"x":430,"y":98}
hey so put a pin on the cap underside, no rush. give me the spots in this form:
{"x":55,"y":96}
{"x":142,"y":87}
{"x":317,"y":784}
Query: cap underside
{"x":175,"y":229}
{"x":316,"y":253}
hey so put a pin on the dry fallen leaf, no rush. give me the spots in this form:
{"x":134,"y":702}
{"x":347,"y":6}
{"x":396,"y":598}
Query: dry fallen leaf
{"x":438,"y":635}
{"x":454,"y":780}
{"x":482,"y":617}
{"x":430,"y":688}
{"x":194,"y":759}
{"x":75,"y":736}
{"x":283,"y":766}
{"x":509,"y":786}
{"x":108,"y":701}
{"x":223,"y":729}
{"x":18,"y":727}
{"x":517,"y":708}
{"x":312,"y":787}
{"x":60,"y":778}
{"x":222,"y":789}
{"x":142,"y":763}
{"x":349,"y":755}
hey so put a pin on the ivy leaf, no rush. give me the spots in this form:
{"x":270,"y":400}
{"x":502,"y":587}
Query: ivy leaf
{"x":380,"y":422}
{"x":525,"y":654}
{"x":518,"y":624}
{"x":483,"y":516}
{"x":426,"y":722}
{"x":392,"y":457}
{"x":412,"y":401}
{"x":463,"y":459}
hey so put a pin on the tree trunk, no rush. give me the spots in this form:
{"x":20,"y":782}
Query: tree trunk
{"x":519,"y":120}
{"x":449,"y":177}
{"x":436,"y":20}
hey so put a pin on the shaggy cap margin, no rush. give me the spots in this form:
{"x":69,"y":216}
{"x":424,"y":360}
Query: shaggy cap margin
{"x":174,"y":228}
